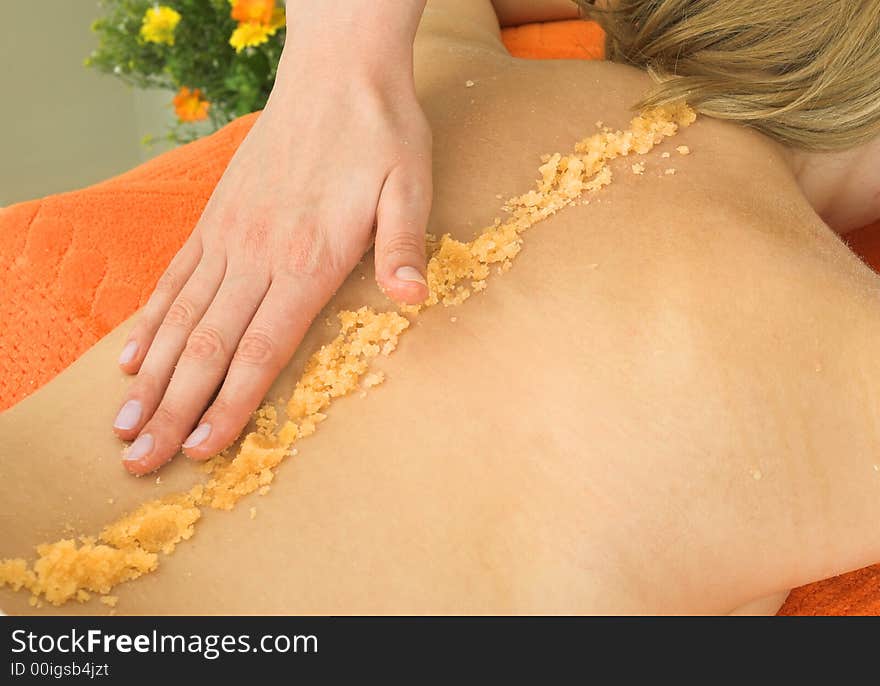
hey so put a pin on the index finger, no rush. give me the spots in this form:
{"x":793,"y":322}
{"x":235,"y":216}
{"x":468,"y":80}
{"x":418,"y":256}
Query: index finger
{"x":274,"y":334}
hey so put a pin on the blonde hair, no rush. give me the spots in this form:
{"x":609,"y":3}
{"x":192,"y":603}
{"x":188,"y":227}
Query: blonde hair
{"x":805,"y":72}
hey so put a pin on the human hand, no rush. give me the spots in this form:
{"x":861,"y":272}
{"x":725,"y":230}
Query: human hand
{"x":337,"y":149}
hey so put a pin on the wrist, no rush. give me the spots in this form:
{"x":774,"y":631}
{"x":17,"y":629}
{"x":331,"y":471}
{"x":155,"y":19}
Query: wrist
{"x":368,"y":42}
{"x":341,"y":28}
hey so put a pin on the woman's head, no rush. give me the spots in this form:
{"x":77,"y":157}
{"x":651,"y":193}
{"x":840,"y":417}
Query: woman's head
{"x":805,"y":72}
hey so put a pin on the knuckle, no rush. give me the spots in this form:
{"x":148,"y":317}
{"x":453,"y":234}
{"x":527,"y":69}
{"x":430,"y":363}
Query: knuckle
{"x":403,"y":244}
{"x":180,"y":314}
{"x":302,"y":250}
{"x":204,"y":343}
{"x":142,"y":333}
{"x":256,"y":235}
{"x":255,"y":348}
{"x":253,"y":238}
{"x":226,"y":413}
{"x":307,"y":253}
{"x":165,"y":416}
{"x":168,"y":284}
{"x":145,"y":386}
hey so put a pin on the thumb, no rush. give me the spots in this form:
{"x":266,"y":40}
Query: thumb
{"x":401,"y":218}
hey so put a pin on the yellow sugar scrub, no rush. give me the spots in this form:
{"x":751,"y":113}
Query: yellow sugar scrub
{"x":75,"y":568}
{"x":456,"y":269}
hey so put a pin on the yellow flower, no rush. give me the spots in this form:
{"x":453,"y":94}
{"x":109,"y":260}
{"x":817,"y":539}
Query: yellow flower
{"x":190,"y":106}
{"x":158,"y":25}
{"x":257,"y":21}
{"x":249,"y":35}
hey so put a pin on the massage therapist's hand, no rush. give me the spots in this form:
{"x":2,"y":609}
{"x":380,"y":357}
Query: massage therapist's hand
{"x":341,"y":147}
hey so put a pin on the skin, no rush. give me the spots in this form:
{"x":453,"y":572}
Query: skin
{"x":278,"y":237}
{"x":843,"y":187}
{"x":668,"y":405}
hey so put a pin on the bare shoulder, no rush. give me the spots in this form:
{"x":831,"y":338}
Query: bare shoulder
{"x":698,"y":299}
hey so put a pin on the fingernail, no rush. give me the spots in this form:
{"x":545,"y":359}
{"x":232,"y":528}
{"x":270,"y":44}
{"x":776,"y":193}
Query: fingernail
{"x":128,"y":352}
{"x":198,"y":436}
{"x":410,"y":274}
{"x":142,"y":446}
{"x":128,"y":416}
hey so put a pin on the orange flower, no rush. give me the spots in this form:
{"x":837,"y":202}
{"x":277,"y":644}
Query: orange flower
{"x":189,"y":106}
{"x":253,"y":11}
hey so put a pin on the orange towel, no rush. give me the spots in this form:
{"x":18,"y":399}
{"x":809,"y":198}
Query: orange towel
{"x":578,"y":40}
{"x":73,"y":266}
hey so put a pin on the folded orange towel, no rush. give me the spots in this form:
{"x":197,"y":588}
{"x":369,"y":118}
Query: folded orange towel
{"x":579,"y":40}
{"x":73,"y":266}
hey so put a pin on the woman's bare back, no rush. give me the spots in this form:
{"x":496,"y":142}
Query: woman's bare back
{"x":667,"y":405}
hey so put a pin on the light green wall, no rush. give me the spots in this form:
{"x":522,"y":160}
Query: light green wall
{"x":63,"y":126}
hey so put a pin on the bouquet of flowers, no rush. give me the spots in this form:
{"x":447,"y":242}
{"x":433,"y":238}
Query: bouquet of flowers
{"x":219,"y":57}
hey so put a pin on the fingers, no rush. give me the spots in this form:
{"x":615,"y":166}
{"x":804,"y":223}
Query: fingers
{"x":164,"y":349}
{"x":402,"y":216}
{"x":202,"y":366}
{"x":182,"y":265}
{"x":268,"y":344}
